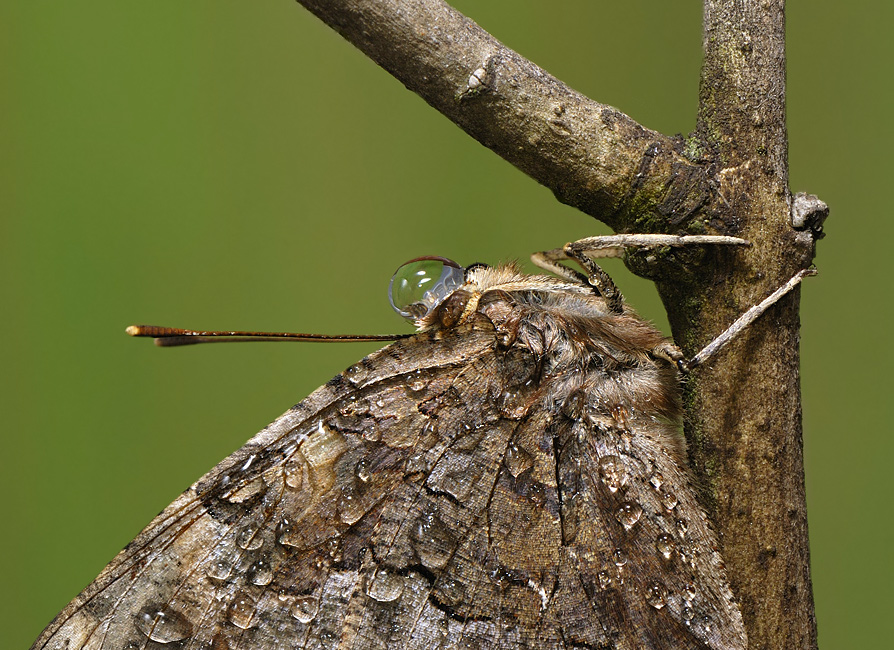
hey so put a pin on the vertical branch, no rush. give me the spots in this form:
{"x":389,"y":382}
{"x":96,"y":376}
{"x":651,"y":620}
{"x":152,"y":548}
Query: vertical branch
{"x":744,"y":409}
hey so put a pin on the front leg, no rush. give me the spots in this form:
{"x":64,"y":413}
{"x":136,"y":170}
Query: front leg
{"x":584,"y":250}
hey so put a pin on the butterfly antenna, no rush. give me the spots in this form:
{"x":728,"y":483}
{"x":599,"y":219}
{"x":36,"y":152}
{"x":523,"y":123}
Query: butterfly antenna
{"x":173,"y":336}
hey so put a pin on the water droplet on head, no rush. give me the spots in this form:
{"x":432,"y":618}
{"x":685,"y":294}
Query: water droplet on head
{"x":304,"y":608}
{"x":517,"y":459}
{"x":656,"y":481}
{"x":604,"y":579}
{"x":241,"y":611}
{"x":682,"y":526}
{"x":665,"y":545}
{"x":613,"y":472}
{"x":248,"y":537}
{"x":688,"y":592}
{"x":163,"y":625}
{"x":629,"y":513}
{"x":687,"y":615}
{"x":621,"y":416}
{"x":422,"y":284}
{"x":385,"y":585}
{"x":656,"y":595}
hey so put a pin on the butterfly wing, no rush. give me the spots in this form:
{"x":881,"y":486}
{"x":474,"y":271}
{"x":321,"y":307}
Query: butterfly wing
{"x":638,"y":542}
{"x":427,"y":497}
{"x":271,"y":547}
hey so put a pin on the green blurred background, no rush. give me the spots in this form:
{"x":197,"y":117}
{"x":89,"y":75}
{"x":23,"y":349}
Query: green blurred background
{"x":226,"y":164}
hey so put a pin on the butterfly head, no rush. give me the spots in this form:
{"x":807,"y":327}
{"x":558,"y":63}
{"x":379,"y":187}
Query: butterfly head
{"x":436,"y":291}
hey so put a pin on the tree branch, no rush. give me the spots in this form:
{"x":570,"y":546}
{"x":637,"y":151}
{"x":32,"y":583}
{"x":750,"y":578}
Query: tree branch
{"x":744,"y":409}
{"x":592,"y":156}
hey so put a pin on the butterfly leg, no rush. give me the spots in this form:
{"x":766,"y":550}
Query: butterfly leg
{"x":584,"y":250}
{"x":745,"y":320}
{"x":596,"y":277}
{"x":614,"y":245}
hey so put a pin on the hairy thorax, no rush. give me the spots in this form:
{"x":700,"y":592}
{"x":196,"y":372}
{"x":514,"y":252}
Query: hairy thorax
{"x":612,"y":371}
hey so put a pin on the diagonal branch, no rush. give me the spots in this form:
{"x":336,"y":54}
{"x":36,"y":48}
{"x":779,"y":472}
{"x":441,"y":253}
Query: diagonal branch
{"x":592,"y":156}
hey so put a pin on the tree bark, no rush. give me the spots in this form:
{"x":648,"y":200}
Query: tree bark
{"x":744,"y":423}
{"x":730,"y":177}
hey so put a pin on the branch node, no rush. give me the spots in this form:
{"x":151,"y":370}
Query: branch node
{"x":481,"y":80}
{"x":809,"y":213}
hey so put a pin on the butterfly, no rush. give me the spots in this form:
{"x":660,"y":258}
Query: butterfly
{"x":510,"y":476}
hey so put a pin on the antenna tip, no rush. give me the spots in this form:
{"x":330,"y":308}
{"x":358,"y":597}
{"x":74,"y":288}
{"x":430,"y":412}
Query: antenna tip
{"x":144,"y":330}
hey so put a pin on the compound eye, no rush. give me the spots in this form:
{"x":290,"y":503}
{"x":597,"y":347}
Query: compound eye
{"x":422,"y":284}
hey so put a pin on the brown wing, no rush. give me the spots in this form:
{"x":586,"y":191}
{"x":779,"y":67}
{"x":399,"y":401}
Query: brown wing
{"x":273,"y":547}
{"x":427,"y":497}
{"x":637,"y":541}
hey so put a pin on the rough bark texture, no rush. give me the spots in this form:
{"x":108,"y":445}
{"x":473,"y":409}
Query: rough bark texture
{"x":730,"y":177}
{"x":745,"y":408}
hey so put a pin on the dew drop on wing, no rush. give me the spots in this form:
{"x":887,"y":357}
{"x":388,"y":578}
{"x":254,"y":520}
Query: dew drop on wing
{"x":385,"y":585}
{"x":241,"y":611}
{"x":248,"y":537}
{"x":163,"y":624}
{"x":669,"y":500}
{"x":664,"y":543}
{"x":517,"y":460}
{"x":629,"y":513}
{"x":619,"y":557}
{"x":613,"y":472}
{"x":218,"y":570}
{"x":656,"y":595}
{"x":432,"y":541}
{"x":261,"y":572}
{"x":304,"y":609}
